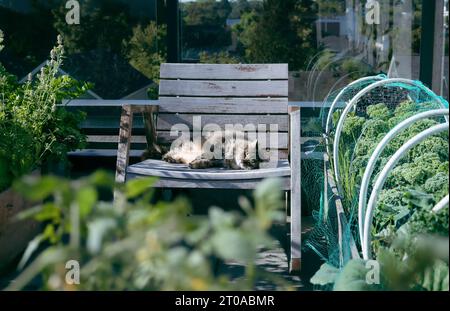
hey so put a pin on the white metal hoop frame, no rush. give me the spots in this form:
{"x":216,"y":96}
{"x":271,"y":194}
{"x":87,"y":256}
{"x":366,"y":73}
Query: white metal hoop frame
{"x":379,"y":183}
{"x":351,"y":104}
{"x":376,"y":154}
{"x":336,"y":100}
{"x":341,"y":93}
{"x":442,"y":203}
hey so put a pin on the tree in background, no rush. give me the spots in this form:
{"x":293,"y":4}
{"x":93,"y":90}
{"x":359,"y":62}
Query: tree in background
{"x":30,"y":36}
{"x":206,"y":12}
{"x":417,"y":25}
{"x":217,"y":58}
{"x":331,"y":7}
{"x":204,"y":24}
{"x":146,"y":49}
{"x":280,"y":32}
{"x":118,"y":50}
{"x":241,"y":7}
{"x":105,"y":24}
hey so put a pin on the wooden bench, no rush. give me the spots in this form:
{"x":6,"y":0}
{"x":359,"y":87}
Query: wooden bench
{"x":222,"y":94}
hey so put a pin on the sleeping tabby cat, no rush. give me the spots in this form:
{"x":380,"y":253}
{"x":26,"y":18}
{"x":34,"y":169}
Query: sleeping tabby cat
{"x":225,"y":150}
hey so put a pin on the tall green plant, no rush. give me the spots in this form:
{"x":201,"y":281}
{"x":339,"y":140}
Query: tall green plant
{"x":34,"y":127}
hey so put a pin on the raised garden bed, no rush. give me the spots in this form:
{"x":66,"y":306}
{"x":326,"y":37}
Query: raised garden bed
{"x":334,"y":209}
{"x":14,"y":234}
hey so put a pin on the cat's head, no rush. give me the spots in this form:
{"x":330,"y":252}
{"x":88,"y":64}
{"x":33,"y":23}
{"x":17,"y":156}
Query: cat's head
{"x":251,"y":159}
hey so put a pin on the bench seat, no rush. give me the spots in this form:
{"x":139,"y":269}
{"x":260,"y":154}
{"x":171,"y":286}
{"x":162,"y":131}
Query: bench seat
{"x":181,"y":176}
{"x":163,"y":169}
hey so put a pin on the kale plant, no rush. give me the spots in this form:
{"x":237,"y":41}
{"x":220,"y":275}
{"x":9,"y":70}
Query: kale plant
{"x":424,"y":170}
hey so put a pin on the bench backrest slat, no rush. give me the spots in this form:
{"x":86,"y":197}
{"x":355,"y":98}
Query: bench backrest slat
{"x":247,"y":105}
{"x":201,"y":88}
{"x":224,"y":71}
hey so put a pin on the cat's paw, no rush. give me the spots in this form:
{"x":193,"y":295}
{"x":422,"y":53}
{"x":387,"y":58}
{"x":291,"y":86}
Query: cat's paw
{"x":199,"y":164}
{"x":168,"y":159}
{"x":250,"y":164}
{"x":195,"y":165}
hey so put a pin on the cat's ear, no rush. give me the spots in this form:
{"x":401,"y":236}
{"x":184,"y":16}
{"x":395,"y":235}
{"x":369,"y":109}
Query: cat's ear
{"x":254,"y":144}
{"x":253,"y":147}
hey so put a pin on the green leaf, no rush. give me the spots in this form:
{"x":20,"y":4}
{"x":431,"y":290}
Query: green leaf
{"x":325,"y":275}
{"x":246,"y":205}
{"x":37,"y":190}
{"x":220,"y":219}
{"x":269,"y":191}
{"x":29,"y":213}
{"x":31,"y":248}
{"x":96,"y":231}
{"x":199,"y":233}
{"x":48,"y":212}
{"x":137,"y":187}
{"x":436,"y":277}
{"x":402,"y":213}
{"x":231,"y":244}
{"x":50,"y":256}
{"x":102,"y":178}
{"x":86,"y":198}
{"x":353,"y":277}
{"x":50,"y":234}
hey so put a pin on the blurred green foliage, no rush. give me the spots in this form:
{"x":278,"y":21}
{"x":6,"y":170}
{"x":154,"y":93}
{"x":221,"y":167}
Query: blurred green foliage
{"x":134,"y":243}
{"x":413,"y":261}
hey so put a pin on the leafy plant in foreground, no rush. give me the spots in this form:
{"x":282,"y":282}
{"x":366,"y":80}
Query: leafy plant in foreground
{"x":133,"y":244}
{"x":412,"y":262}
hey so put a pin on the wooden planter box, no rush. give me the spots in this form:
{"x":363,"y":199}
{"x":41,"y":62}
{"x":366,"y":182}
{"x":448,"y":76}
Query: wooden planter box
{"x":14,"y":235}
{"x":333,"y":204}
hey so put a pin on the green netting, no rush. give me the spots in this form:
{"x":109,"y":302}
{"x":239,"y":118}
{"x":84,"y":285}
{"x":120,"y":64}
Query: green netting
{"x":312,"y":184}
{"x":324,"y":239}
{"x":420,"y":175}
{"x":348,"y":93}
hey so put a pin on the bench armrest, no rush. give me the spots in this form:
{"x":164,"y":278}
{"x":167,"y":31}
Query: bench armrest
{"x":126,"y":127}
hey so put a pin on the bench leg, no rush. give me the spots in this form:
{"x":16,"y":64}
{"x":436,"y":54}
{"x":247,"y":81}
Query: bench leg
{"x":296,"y":211}
{"x":296,"y":243}
{"x":286,"y":203}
